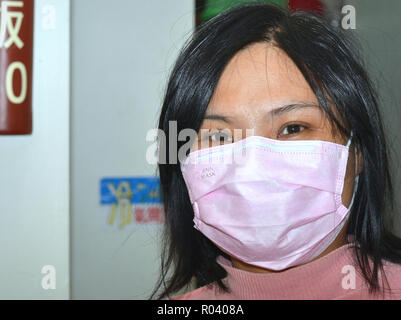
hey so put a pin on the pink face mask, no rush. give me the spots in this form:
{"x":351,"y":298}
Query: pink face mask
{"x":269,"y":203}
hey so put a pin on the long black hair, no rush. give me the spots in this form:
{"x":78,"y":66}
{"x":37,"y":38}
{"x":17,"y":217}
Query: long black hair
{"x":332,"y":65}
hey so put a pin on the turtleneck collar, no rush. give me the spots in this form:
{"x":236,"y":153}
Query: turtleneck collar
{"x":322,"y":278}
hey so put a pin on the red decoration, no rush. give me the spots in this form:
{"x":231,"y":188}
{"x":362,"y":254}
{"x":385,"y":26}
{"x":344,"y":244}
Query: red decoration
{"x":308,"y":5}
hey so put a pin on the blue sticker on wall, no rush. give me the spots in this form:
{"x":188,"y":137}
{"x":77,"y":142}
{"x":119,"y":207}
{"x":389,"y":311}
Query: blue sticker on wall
{"x":133,"y":201}
{"x":136,"y":189}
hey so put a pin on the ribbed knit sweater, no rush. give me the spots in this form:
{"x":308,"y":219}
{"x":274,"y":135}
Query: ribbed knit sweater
{"x":333,"y":276}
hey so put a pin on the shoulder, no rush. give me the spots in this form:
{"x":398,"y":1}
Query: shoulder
{"x":392,"y":273}
{"x":207,"y":292}
{"x":391,"y":288}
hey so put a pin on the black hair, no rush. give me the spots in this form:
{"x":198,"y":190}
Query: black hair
{"x":332,"y":65}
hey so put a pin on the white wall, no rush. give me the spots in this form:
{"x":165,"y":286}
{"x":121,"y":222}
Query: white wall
{"x":34,"y":174}
{"x":121,"y":54}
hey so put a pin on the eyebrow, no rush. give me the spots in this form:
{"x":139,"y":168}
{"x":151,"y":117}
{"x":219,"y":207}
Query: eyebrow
{"x":291,"y":107}
{"x":275,"y":112}
{"x":218,"y":117}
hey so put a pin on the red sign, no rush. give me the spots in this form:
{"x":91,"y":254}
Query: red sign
{"x":16,"y":58}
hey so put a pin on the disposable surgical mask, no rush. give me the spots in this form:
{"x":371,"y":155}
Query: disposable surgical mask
{"x":279,"y":207}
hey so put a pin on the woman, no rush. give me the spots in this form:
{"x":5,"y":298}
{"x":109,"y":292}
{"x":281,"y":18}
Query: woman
{"x":307,"y":215}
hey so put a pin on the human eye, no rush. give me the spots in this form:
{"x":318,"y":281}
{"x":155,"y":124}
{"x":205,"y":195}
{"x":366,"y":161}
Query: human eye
{"x":292,"y":129}
{"x":218,"y":136}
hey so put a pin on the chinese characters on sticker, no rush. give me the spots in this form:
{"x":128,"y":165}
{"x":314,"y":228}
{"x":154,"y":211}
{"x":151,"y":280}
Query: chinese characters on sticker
{"x":134,"y":201}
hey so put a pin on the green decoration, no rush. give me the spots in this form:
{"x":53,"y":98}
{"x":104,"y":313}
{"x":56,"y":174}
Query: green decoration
{"x":214,"y":7}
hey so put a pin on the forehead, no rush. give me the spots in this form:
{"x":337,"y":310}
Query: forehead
{"x":260,"y":76}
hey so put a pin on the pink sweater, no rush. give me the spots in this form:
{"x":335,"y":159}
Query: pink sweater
{"x":333,"y":276}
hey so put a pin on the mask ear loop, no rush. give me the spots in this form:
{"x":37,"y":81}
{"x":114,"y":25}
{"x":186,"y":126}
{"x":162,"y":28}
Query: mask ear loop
{"x":350,"y":139}
{"x":353,"y":195}
{"x":356,"y":177}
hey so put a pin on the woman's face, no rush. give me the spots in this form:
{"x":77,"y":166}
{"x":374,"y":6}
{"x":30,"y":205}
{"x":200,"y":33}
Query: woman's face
{"x":262,"y":89}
